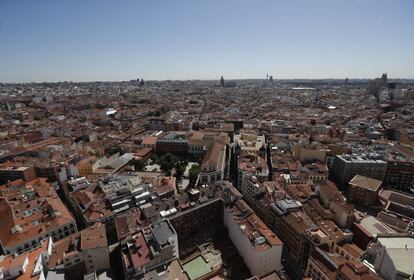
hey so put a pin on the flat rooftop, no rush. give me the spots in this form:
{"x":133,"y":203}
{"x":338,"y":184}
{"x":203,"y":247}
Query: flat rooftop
{"x":162,"y":231}
{"x":365,"y":183}
{"x":401,"y":251}
{"x":360,"y":159}
{"x":374,"y":226}
{"x":197,"y":268}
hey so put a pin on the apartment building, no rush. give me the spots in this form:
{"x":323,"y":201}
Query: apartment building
{"x":327,"y":265}
{"x":32,"y":212}
{"x":363,"y":190}
{"x":345,"y":167}
{"x":393,"y":255}
{"x":87,"y":250}
{"x":199,"y":219}
{"x":148,"y":249}
{"x":10,"y":171}
{"x":400,"y":171}
{"x":29,"y":265}
{"x":259,"y":246}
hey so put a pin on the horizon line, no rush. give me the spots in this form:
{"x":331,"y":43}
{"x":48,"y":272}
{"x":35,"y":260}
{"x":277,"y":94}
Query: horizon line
{"x":192,"y":79}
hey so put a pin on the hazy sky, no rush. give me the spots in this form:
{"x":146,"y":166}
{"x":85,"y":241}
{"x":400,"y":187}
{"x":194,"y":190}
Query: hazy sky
{"x":83,"y":40}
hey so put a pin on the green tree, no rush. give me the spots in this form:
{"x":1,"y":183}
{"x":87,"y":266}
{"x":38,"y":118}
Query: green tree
{"x":167,"y":162}
{"x":138,"y":164}
{"x":193,"y":173}
{"x":180,"y":168}
{"x":114,"y":150}
{"x":154,"y":158}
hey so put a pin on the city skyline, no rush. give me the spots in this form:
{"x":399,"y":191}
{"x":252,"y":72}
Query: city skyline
{"x":104,"y":41}
{"x":206,"y":140}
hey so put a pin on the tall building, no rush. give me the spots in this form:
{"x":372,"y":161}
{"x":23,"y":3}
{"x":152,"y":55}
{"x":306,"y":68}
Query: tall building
{"x":384,"y":78}
{"x":198,"y":219}
{"x":259,"y":247}
{"x":393,"y":256}
{"x":363,"y":190}
{"x":345,"y":167}
{"x":400,"y":171}
{"x":291,"y":227}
